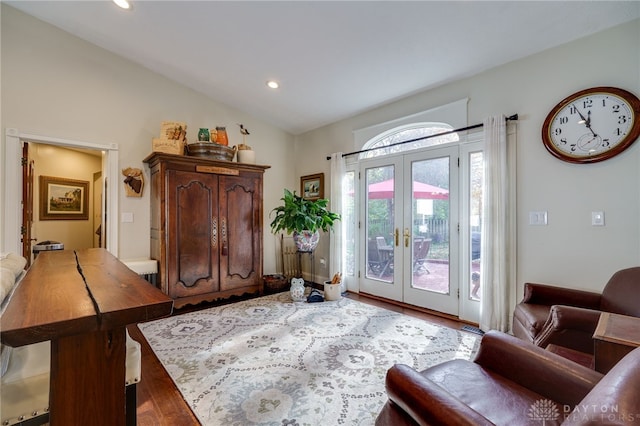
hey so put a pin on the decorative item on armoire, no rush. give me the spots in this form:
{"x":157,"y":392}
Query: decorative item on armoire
{"x":211,"y":151}
{"x":173,"y":138}
{"x":134,"y":182}
{"x":245,"y":153}
{"x":222,"y":138}
{"x":203,"y":135}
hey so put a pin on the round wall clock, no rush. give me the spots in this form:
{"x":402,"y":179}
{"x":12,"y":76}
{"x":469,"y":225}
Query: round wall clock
{"x":592,"y":125}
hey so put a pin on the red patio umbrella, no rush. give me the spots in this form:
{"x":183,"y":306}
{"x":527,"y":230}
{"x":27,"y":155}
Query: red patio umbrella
{"x":384,"y":189}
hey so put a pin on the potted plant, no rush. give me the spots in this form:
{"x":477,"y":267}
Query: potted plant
{"x":303,"y":218}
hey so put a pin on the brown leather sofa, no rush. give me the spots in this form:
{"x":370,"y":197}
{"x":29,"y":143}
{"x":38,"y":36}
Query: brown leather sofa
{"x":568,"y":317}
{"x":512,"y":382}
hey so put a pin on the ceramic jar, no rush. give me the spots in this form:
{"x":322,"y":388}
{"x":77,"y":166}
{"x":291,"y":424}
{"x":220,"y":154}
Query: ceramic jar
{"x":203,"y":135}
{"x":246,"y":156}
{"x":222,"y":136}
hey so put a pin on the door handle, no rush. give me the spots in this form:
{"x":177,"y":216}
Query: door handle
{"x":407,"y":237}
{"x":397,"y":237}
{"x":223,"y":237}
{"x":214,"y":232}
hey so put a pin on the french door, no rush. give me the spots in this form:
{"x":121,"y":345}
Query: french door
{"x":409,"y":228}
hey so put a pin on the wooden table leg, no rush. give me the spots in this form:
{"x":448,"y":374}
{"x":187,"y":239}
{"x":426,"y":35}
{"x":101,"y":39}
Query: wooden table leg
{"x":87,"y":379}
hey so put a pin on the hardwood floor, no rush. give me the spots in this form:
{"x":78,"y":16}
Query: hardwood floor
{"x":160,"y":402}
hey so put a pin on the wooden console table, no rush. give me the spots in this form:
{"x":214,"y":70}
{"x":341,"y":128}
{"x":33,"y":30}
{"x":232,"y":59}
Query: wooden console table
{"x":615,"y":336}
{"x":82,"y":302}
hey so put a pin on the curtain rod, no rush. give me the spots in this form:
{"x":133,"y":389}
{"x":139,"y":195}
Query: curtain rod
{"x":513,"y":117}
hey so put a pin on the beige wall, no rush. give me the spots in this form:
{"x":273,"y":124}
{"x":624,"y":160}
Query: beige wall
{"x":68,"y":164}
{"x":569,"y":251}
{"x":56,"y":85}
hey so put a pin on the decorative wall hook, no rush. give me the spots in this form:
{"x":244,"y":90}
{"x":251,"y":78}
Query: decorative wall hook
{"x":134,"y":182}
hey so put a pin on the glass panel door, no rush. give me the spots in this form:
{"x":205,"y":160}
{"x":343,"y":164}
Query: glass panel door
{"x":430,"y":230}
{"x":472,"y":167}
{"x":381,"y":209}
{"x":475,"y":222}
{"x":406,"y":211}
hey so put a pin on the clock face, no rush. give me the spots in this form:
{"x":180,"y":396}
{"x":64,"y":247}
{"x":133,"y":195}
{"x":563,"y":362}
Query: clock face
{"x":592,"y":125}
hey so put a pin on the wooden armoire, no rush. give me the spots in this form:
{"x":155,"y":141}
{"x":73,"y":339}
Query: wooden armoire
{"x":206,"y":227}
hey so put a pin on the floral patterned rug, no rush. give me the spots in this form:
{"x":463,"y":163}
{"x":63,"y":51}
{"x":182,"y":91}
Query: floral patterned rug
{"x":271,"y":361}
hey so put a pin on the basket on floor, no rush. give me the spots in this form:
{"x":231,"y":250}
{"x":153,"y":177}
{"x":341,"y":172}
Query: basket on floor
{"x":275,"y":283}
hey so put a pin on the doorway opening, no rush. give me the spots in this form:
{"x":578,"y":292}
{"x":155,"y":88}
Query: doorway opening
{"x":66,"y":195}
{"x":16,"y":225}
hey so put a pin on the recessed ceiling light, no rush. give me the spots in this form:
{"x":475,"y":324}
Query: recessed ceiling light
{"x":273,"y":84}
{"x":122,"y":3}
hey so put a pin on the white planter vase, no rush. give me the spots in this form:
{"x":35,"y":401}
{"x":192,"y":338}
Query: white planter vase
{"x":332,"y":291}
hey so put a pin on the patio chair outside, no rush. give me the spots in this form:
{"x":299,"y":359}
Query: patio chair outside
{"x":420,"y":253}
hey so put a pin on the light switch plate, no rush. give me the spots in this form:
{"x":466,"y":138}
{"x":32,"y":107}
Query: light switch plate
{"x":597,"y":218}
{"x":126,"y":217}
{"x":538,"y":218}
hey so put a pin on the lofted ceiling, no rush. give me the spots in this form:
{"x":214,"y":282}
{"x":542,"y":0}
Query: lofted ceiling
{"x":333,"y":59}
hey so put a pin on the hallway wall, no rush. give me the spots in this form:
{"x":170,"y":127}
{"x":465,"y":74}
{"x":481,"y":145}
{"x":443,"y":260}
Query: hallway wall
{"x":64,"y":163}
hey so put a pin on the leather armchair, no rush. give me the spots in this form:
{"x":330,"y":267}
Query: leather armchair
{"x":510,"y":382}
{"x":568,"y":317}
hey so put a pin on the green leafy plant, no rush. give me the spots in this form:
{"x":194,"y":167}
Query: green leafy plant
{"x":298,"y":214}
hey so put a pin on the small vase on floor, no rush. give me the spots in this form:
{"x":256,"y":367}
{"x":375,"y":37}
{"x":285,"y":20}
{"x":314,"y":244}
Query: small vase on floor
{"x":297,"y":289}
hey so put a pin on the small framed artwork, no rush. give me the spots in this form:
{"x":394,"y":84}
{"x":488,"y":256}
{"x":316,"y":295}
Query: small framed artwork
{"x":63,"y":199}
{"x":312,"y":186}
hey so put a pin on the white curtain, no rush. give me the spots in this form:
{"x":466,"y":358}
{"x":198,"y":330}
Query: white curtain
{"x":498,"y":227}
{"x":336,"y":251}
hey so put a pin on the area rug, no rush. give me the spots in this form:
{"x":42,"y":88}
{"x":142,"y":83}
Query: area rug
{"x":271,"y":361}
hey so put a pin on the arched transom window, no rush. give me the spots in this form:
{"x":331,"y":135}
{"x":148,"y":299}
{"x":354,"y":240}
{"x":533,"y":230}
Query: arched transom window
{"x":384,"y":143}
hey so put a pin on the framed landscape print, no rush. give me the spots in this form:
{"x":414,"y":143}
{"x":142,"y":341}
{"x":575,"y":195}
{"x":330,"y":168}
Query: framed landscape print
{"x":312,"y":186}
{"x":63,"y":199}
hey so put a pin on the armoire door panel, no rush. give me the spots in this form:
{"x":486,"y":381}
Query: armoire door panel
{"x":239,"y":260}
{"x":194,"y":221}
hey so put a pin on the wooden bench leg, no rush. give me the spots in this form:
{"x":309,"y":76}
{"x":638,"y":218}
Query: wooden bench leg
{"x":87,"y":376}
{"x":132,"y":405}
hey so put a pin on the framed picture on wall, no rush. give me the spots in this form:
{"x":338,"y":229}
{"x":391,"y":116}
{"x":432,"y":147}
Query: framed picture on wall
{"x":63,"y":199}
{"x":312,"y":186}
